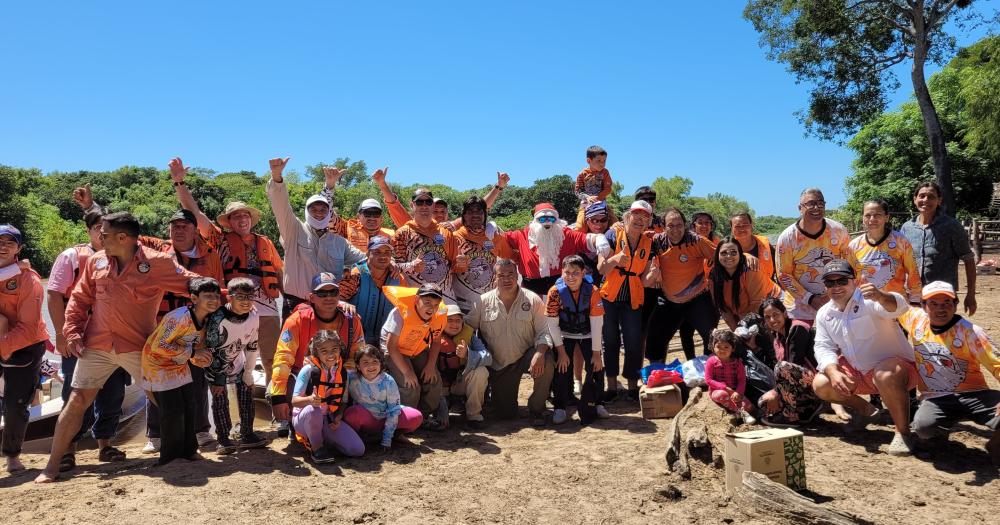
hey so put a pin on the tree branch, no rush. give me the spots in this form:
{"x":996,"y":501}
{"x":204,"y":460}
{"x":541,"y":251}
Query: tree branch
{"x":937,"y":12}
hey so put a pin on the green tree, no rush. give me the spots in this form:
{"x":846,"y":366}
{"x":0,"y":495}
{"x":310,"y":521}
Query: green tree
{"x":893,"y":151}
{"x":847,"y":48}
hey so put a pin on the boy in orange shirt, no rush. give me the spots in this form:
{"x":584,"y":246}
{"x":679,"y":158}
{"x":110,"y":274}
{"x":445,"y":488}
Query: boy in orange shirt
{"x":594,"y":182}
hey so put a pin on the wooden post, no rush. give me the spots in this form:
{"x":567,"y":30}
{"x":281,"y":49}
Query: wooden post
{"x":977,"y":245}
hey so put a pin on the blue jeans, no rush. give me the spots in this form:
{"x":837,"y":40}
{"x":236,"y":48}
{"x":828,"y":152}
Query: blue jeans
{"x":622,"y":322}
{"x":102,"y":417}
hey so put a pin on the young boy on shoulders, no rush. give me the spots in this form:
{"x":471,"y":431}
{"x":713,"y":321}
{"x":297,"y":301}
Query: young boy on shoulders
{"x":594,"y":182}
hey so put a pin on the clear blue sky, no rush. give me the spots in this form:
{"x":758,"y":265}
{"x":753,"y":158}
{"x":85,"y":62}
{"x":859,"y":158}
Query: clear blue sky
{"x":440,"y":92}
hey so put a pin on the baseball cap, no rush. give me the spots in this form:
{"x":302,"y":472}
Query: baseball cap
{"x":430,"y":290}
{"x":641,"y":205}
{"x":453,"y":309}
{"x":377,"y":241}
{"x":7,"y":229}
{"x":369,"y":204}
{"x":323,"y":280}
{"x":938,"y":288}
{"x":184,"y":215}
{"x":644,"y":191}
{"x":420,"y":192}
{"x":838,"y":267}
{"x":316,"y":198}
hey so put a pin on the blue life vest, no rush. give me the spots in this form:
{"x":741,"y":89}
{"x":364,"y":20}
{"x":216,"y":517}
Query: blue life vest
{"x":574,"y":316}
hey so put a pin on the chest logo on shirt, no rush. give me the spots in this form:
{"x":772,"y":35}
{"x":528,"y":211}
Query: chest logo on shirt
{"x":488,"y":245}
{"x":918,"y":334}
{"x":144,"y":267}
{"x":892,"y":245}
{"x":12,"y":284}
{"x":438,"y":239}
{"x":525,"y":307}
{"x":101,"y":264}
{"x":957,"y":343}
{"x":856,"y":307}
{"x":683,"y":258}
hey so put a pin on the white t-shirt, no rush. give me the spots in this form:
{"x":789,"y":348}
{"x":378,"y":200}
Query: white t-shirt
{"x":233,"y":342}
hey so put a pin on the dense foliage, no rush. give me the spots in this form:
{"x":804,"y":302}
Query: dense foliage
{"x":42,"y":204}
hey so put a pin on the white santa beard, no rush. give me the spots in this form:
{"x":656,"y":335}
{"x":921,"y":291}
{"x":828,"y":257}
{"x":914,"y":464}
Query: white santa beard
{"x":547,"y":244}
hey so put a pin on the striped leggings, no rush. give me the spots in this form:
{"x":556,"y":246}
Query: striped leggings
{"x":220,"y":411}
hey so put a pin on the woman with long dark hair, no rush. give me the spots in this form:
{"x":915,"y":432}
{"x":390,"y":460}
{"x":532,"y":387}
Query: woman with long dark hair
{"x":792,"y":401}
{"x":736,"y":288}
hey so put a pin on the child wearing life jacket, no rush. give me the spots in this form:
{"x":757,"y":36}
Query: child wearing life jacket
{"x":376,"y":408}
{"x":726,"y":377}
{"x":576,"y":318}
{"x":462,"y":364}
{"x":231,"y":336}
{"x":320,"y":399}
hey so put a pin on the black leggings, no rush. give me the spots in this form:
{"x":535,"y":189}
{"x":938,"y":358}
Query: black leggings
{"x":178,"y":411}
{"x":666,"y":319}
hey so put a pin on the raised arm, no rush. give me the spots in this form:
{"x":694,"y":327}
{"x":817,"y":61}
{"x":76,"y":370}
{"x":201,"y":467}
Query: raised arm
{"x":496,"y":190}
{"x":397,"y":212}
{"x":178,"y":171}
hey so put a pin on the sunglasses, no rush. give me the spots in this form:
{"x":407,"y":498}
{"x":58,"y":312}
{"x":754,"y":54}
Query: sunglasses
{"x":598,"y":220}
{"x":647,"y":198}
{"x":830,"y":283}
{"x":372,"y":213}
{"x":812,"y":205}
{"x":326,"y":293}
{"x":423,"y":202}
{"x":242,"y":297}
{"x":547,"y":219}
{"x":729,"y":253}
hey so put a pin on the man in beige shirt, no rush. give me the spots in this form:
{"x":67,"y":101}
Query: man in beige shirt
{"x":511,"y":321}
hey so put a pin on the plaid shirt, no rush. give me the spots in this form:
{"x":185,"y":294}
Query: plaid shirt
{"x":719,"y":374}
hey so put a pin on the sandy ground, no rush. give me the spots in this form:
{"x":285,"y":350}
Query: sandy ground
{"x":611,"y":472}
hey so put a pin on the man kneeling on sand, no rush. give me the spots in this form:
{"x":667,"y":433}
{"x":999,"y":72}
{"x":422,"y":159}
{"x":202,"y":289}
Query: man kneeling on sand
{"x":860,"y":350}
{"x":951,"y":353}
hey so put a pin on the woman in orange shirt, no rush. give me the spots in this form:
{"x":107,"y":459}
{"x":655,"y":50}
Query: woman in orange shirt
{"x":736,"y":288}
{"x":22,"y":342}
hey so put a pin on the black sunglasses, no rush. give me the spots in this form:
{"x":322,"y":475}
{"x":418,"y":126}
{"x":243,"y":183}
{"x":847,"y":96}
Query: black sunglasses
{"x":372,"y":213}
{"x":423,"y":202}
{"x":327,"y":293}
{"x":830,"y":283}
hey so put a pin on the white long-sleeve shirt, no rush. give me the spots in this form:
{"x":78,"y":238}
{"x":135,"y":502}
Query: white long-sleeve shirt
{"x":864,"y":333}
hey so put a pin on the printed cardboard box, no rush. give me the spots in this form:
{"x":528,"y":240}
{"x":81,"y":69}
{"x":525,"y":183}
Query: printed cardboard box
{"x":778,"y":453}
{"x":660,"y":402}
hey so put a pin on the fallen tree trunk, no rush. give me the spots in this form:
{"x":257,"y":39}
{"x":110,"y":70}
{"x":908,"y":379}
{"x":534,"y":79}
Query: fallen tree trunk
{"x":774,"y":499}
{"x":677,"y":454}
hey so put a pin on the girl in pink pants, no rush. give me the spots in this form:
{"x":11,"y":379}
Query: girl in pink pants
{"x":726,"y":377}
{"x":376,"y":396}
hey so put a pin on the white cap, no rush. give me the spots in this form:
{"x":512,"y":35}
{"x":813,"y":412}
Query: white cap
{"x":453,"y":309}
{"x":641,"y":206}
{"x":938,"y":288}
{"x":316,"y":198}
{"x":368,"y":204}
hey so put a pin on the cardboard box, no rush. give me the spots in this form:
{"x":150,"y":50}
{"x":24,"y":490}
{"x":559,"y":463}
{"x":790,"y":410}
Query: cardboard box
{"x":660,"y":402}
{"x":778,"y":453}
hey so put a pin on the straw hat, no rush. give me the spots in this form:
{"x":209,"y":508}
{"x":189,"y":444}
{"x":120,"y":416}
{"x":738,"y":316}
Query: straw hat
{"x":234,"y":207}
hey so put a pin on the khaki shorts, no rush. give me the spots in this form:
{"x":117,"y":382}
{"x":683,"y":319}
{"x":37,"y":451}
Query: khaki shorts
{"x":94,"y":367}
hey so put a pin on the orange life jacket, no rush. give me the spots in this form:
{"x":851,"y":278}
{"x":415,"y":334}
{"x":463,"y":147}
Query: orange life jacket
{"x":633,"y":274}
{"x":329,"y":387}
{"x":416,"y":335}
{"x":269,"y":264}
{"x":207,"y":264}
{"x":309,"y":325}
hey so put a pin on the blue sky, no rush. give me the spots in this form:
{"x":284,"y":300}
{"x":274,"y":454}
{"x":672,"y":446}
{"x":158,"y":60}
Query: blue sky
{"x":445,"y":92}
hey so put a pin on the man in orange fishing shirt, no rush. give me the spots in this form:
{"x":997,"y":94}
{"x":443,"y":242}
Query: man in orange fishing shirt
{"x":111,"y":312}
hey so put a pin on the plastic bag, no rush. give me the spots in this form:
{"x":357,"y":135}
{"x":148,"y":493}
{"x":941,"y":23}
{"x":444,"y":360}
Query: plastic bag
{"x":664,"y":377}
{"x":694,"y":371}
{"x":760,"y":377}
{"x":647,"y":370}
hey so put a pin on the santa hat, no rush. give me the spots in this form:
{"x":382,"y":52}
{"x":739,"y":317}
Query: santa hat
{"x":545,"y":209}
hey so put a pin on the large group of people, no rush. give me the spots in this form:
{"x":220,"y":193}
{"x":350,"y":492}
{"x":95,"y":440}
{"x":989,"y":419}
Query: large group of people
{"x":385,"y":328}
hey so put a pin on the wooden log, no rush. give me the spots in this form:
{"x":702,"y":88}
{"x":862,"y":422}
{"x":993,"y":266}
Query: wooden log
{"x":677,"y":450}
{"x":768,"y":498}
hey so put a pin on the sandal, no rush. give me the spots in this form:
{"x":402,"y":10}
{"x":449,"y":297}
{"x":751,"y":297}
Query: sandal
{"x":110,"y":453}
{"x":68,"y":462}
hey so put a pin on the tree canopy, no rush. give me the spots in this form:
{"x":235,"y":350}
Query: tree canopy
{"x":893,"y":152}
{"x":43,"y":208}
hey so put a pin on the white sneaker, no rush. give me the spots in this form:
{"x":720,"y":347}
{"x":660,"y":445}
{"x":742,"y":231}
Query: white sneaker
{"x":748,"y":419}
{"x":602,"y":412}
{"x":559,"y":416}
{"x":577,"y":388}
{"x":205,"y":439}
{"x":152,"y":446}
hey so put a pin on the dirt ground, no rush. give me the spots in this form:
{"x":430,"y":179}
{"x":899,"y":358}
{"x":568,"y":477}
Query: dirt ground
{"x":611,"y":472}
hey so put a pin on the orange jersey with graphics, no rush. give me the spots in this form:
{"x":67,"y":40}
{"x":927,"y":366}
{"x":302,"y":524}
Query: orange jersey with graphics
{"x":801,"y":258}
{"x":682,"y":265}
{"x":169,"y":348}
{"x":479,"y":278}
{"x":435,"y":245}
{"x":355,"y":232}
{"x":952,"y":361}
{"x":889,"y":265}
{"x":591,"y":183}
